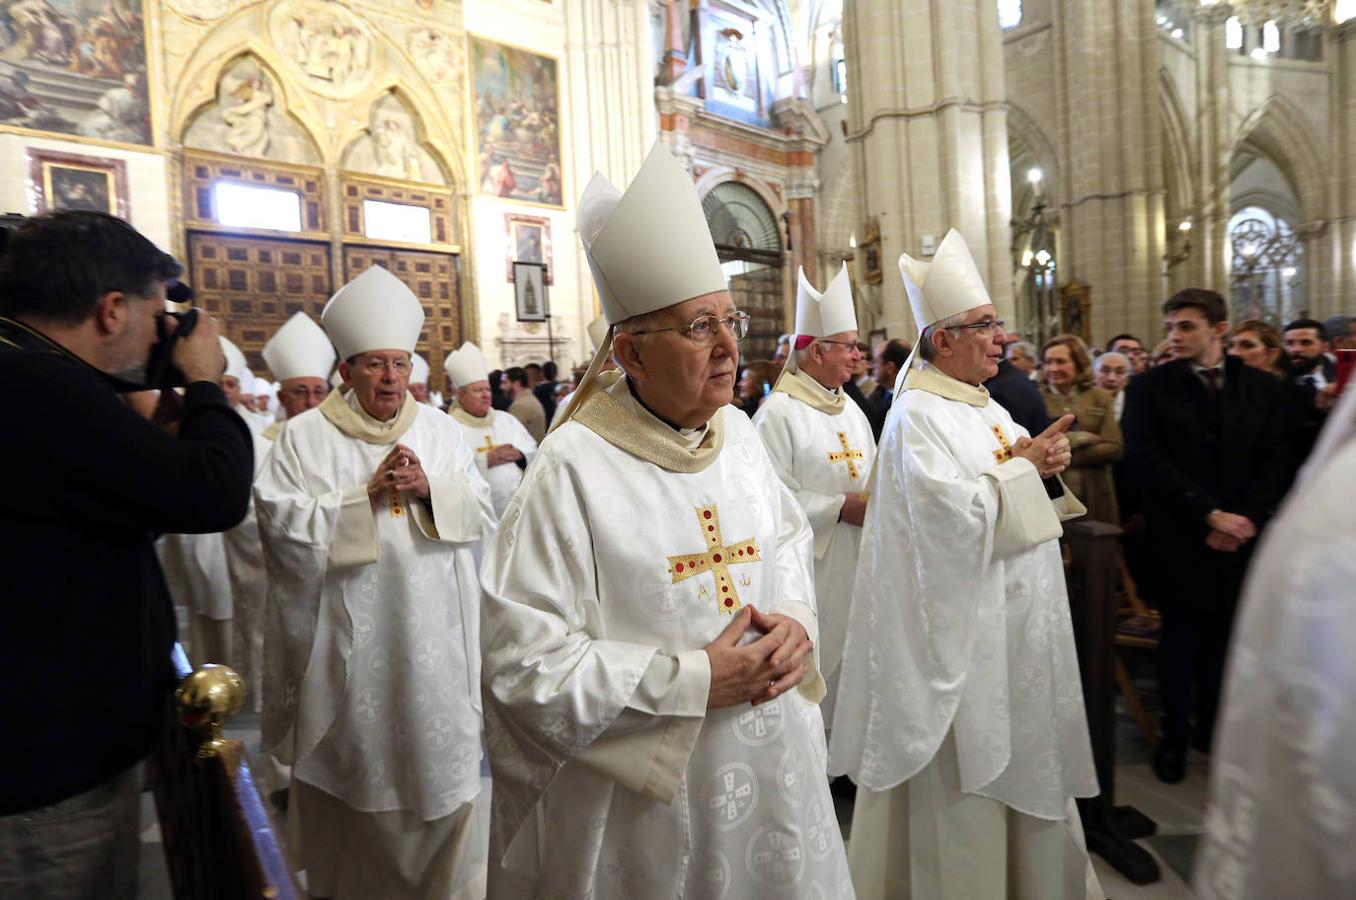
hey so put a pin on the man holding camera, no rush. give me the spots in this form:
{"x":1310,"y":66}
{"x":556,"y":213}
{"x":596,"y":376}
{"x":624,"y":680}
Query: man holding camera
{"x":88,"y":622}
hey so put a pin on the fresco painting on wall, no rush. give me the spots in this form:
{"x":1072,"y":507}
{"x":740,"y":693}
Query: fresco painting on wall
{"x":67,"y":181}
{"x":75,"y":67}
{"x":517,"y":123}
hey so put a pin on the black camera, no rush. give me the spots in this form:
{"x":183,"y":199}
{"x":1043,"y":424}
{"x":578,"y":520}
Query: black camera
{"x":161,"y":372}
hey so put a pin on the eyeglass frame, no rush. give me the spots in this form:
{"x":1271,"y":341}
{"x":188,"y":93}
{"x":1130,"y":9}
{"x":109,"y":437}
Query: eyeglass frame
{"x":980,"y":327}
{"x":737,"y":316}
{"x":381,"y":366}
{"x":849,"y":344}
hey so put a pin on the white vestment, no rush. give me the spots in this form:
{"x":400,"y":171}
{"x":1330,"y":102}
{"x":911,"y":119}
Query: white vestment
{"x":561,"y":405}
{"x":194,"y":566}
{"x":822,"y":457}
{"x":372,"y":660}
{"x":1282,"y":808}
{"x":249,"y":587}
{"x":608,"y":576}
{"x":960,"y":627}
{"x":493,"y":430}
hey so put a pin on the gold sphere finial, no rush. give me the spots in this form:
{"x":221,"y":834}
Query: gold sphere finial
{"x":205,"y":700}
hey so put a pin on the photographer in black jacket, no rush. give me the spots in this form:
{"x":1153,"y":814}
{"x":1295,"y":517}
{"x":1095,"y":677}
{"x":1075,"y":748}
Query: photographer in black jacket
{"x":86,"y":624}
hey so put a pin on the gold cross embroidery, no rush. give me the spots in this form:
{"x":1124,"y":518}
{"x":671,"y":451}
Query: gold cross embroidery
{"x":1004,"y":454}
{"x":489,"y":445}
{"x":847,"y":456}
{"x":397,"y":508}
{"x":717,"y":560}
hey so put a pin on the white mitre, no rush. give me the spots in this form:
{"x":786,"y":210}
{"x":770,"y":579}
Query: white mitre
{"x":299,"y":349}
{"x":948,"y":285}
{"x":466,"y":365}
{"x":650,"y":248}
{"x":820,"y":315}
{"x":374,"y":311}
{"x":235,"y":364}
{"x":597,"y":331}
{"x":418,"y":369}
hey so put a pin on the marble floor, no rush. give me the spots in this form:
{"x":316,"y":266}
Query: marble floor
{"x":1178,"y":810}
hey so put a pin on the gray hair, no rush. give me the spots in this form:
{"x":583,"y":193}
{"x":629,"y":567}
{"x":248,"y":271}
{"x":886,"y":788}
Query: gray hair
{"x":1025,"y":346}
{"x":797,"y":358}
{"x":928,"y":350}
{"x":1097,"y":363}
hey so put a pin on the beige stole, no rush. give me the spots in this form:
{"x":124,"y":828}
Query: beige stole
{"x":932,"y":380}
{"x":353,"y":420}
{"x":644,"y":436}
{"x":459,"y":413}
{"x":810,"y":392}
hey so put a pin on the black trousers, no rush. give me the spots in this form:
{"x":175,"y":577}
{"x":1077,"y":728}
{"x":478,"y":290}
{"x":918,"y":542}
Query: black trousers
{"x":1198,"y":620}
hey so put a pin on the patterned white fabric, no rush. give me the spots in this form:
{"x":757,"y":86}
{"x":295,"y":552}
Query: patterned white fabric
{"x":499,"y":428}
{"x":807,"y":453}
{"x":1283,"y":772}
{"x":581,"y":598}
{"x":249,"y":589}
{"x":372,"y":663}
{"x":946,"y":631}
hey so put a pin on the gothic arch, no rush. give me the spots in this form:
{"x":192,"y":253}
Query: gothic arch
{"x":1023,"y":127}
{"x":419,"y":111}
{"x":1278,"y":131}
{"x":197,"y":90}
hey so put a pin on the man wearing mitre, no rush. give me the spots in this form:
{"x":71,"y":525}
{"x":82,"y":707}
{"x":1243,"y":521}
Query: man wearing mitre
{"x":821,"y":447}
{"x":960,"y":712}
{"x":502,"y":446}
{"x":650,"y":686}
{"x":369,"y":508}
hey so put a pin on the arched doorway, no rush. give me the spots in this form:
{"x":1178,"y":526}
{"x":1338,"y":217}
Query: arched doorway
{"x":749,"y":245}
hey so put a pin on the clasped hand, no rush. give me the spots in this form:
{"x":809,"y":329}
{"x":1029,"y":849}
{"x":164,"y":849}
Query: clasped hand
{"x":504,"y":453}
{"x":399,"y":471}
{"x":1228,"y":531}
{"x":762,"y":670}
{"x":1048,"y":451}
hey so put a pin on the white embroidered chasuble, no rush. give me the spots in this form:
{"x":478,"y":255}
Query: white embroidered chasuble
{"x":249,"y":588}
{"x":1282,"y":807}
{"x":960,"y":618}
{"x":608,"y":576}
{"x":372,"y":665}
{"x":483,"y":435}
{"x":822,"y":457}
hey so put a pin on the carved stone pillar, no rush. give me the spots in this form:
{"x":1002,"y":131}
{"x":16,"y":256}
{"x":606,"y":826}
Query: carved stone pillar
{"x":928,"y":126}
{"x":1333,"y":274}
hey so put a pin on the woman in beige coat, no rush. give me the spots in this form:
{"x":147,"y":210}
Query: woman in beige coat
{"x":1066,"y":384}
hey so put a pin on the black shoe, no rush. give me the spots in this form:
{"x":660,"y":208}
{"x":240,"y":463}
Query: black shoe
{"x":1170,"y":761}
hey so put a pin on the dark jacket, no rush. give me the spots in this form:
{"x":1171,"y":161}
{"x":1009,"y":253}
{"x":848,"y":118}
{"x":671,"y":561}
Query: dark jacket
{"x":878,"y":407}
{"x":1189,"y":453}
{"x":1020,"y":396}
{"x":546,"y":394}
{"x":87,"y":621}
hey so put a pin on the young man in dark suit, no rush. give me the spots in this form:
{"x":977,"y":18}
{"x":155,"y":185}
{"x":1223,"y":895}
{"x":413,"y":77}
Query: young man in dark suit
{"x":1206,"y":443}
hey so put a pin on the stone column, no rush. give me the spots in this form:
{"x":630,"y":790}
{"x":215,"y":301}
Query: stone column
{"x":1333,"y":273}
{"x":609,"y":106}
{"x":1212,"y":256}
{"x":928,"y":127}
{"x":1111,"y":208}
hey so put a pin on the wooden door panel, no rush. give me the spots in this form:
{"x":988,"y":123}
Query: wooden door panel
{"x":254,"y":284}
{"x":435,"y":280}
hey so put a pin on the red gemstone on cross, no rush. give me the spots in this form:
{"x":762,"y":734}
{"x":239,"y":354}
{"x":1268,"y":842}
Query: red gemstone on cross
{"x":678,"y":567}
{"x":715,"y":557}
{"x":707,"y":514}
{"x":729,"y":602}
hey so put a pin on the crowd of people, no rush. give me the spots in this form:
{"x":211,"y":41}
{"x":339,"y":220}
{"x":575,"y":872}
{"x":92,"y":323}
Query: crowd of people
{"x":667,"y":623}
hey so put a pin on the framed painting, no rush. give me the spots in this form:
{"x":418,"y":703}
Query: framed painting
{"x":68,"y":181}
{"x":517,"y":115}
{"x":869,"y":248}
{"x":77,"y":67}
{"x":529,"y":292}
{"x":528,"y":239}
{"x":1075,"y":310}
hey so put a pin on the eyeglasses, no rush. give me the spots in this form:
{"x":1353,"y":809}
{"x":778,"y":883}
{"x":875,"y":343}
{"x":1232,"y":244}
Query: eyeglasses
{"x":851,"y":345}
{"x":703,"y":329}
{"x":301,"y":393}
{"x":378,"y":366}
{"x":985,"y":329}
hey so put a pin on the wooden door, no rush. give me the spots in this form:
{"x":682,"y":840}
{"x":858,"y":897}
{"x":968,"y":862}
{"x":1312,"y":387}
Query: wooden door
{"x":255,"y":284}
{"x":434,"y":278}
